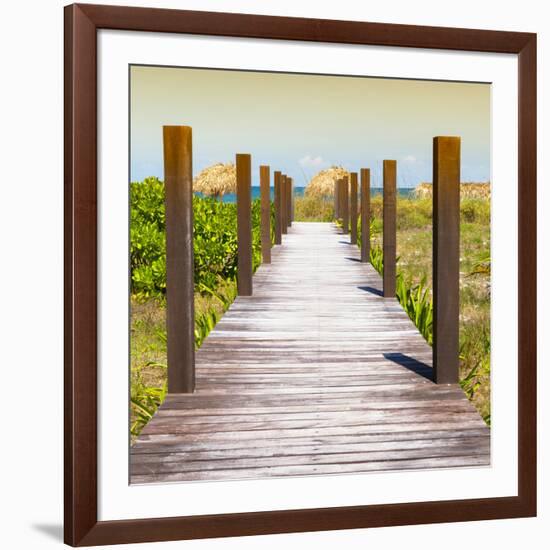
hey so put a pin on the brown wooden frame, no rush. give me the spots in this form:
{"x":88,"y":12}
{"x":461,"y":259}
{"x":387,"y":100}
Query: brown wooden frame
{"x":82,"y":21}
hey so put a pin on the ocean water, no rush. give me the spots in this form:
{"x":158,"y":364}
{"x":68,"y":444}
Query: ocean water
{"x":403,"y":192}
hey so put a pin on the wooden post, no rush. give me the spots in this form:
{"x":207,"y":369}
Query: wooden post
{"x":292,"y":198}
{"x":345,"y":204}
{"x":389,"y":215}
{"x":278,"y":224}
{"x":340,"y":198}
{"x":180,"y":309}
{"x":265,"y":200}
{"x":284,"y":223}
{"x":336,"y":196}
{"x":244,"y":226}
{"x":446,"y":258}
{"x":365,"y":215}
{"x":289,"y":201}
{"x":353,"y":207}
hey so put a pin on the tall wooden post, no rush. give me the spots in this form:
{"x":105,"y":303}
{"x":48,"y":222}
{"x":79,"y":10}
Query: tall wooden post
{"x":446,"y":258}
{"x":345,"y":204}
{"x":265,"y":201}
{"x":336,"y":196}
{"x":244,"y":226}
{"x":338,"y":199}
{"x":390,"y":227}
{"x":288,"y":201}
{"x":292,"y":199}
{"x":284,"y":223}
{"x":180,"y":311}
{"x":353,"y":208}
{"x":365,"y":214}
{"x":278,"y":204}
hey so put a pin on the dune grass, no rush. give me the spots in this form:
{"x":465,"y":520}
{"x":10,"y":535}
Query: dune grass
{"x":313,"y":209}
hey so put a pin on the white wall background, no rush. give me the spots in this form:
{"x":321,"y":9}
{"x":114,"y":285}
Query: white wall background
{"x":31,"y":255}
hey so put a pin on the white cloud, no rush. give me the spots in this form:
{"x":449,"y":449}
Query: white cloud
{"x":410,"y":158}
{"x":313,"y":162}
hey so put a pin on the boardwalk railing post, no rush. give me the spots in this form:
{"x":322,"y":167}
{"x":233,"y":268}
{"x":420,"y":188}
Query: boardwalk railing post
{"x":365,"y":214}
{"x":288,"y":201}
{"x":180,"y":312}
{"x":284,"y":222}
{"x":336,"y":196}
{"x":244,"y":226}
{"x":278,"y":204}
{"x":265,"y":201}
{"x":353,"y":208}
{"x":292,"y":199}
{"x":446,"y":258}
{"x":339,"y":195}
{"x":345,"y":204}
{"x":389,"y":220}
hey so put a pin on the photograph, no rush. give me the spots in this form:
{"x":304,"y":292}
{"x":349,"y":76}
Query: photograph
{"x":310,"y":274}
{"x":275,"y":275}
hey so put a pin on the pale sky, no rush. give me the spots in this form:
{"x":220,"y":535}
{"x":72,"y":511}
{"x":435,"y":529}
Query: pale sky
{"x":300,"y":124}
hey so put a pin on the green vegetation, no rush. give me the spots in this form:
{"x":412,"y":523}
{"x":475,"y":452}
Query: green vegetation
{"x":313,"y":209}
{"x":214,"y":240}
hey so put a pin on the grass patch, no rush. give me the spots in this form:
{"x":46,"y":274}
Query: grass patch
{"x":313,"y":209}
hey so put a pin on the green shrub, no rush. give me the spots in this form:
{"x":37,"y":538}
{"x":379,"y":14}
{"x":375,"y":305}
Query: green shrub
{"x":144,"y":402}
{"x":416,"y":300}
{"x":313,"y":209}
{"x":416,"y":213}
{"x":475,"y":211}
{"x":413,"y":213}
{"x":214,"y":239}
{"x":377,"y":258}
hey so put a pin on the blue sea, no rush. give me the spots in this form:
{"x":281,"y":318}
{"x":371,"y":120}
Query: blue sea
{"x":403,"y":192}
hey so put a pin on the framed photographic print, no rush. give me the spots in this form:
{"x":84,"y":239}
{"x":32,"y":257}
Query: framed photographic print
{"x":300,"y":287}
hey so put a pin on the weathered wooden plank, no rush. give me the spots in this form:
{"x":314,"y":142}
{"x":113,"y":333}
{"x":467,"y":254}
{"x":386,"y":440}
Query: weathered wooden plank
{"x":190,"y":464}
{"x":172,"y":443}
{"x":172,"y":454}
{"x":316,"y":469}
{"x":289,"y":428}
{"x":293,"y":411}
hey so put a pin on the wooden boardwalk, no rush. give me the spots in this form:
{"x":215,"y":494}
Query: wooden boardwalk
{"x":315,"y":373}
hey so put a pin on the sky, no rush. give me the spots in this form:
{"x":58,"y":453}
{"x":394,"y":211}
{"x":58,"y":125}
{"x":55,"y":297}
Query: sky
{"x":301,"y":124}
